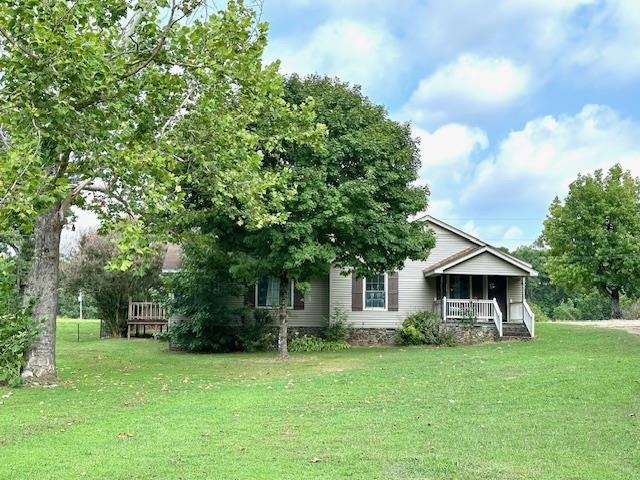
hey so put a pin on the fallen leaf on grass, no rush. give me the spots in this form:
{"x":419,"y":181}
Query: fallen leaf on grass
{"x":123,"y":435}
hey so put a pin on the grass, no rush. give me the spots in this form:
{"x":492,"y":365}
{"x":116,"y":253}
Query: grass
{"x":566,"y":406}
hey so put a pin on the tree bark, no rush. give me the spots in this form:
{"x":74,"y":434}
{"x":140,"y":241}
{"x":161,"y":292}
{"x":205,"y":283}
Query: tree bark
{"x":283,"y":351}
{"x":616,"y":311}
{"x":42,"y":295}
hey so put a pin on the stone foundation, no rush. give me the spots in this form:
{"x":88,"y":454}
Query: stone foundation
{"x":470,"y":334}
{"x":463,"y":334}
{"x":293,"y":332}
{"x":372,"y":336}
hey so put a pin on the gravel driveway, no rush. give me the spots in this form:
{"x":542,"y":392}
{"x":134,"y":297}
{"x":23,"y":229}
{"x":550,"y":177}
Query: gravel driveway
{"x":631,"y":326}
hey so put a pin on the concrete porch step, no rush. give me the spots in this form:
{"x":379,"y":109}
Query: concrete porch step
{"x":514,"y":331}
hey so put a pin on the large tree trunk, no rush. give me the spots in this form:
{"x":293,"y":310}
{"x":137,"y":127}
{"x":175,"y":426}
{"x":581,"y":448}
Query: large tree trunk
{"x":283,"y":351}
{"x":42,"y":294}
{"x":616,"y":311}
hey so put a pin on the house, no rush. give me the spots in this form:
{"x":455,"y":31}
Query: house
{"x":464,"y":280}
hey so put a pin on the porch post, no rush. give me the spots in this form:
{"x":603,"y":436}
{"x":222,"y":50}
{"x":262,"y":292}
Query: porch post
{"x":444,"y":309}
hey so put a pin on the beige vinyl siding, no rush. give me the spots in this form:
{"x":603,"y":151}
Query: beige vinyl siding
{"x":515,"y":290}
{"x":415,"y":293}
{"x":316,"y":305}
{"x":485,"y":264}
{"x":447,"y":244}
{"x":515,"y":297}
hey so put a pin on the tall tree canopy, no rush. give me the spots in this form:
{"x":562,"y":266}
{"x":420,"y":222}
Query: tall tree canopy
{"x":353,"y":198}
{"x":540,"y":290}
{"x":86,"y":270}
{"x":594,"y":235}
{"x":121,"y":106}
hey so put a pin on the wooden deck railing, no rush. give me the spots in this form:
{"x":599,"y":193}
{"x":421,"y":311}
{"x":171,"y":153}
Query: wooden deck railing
{"x":147,"y":311}
{"x":146,"y":314}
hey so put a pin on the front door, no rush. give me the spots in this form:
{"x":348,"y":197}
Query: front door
{"x":497,"y":288}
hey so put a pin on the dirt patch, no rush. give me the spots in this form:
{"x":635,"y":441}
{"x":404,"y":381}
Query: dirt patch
{"x":631,"y":326}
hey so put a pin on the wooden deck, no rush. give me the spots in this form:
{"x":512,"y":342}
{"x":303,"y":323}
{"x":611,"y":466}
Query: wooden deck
{"x":146,"y":314}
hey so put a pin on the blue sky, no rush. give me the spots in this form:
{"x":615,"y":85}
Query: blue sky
{"x":510,"y":99}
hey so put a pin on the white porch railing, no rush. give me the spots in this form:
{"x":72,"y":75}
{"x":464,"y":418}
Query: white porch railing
{"x":485,"y":311}
{"x":480,"y":310}
{"x":497,"y":318}
{"x":529,"y":319}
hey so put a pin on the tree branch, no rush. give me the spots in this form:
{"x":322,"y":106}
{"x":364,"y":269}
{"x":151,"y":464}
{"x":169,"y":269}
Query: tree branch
{"x":171,"y":121}
{"x":66,"y":202}
{"x":13,"y":42}
{"x":170,"y":23}
{"x":105,"y":190}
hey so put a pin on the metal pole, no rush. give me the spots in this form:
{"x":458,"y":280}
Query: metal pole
{"x":80,"y":300}
{"x":78,"y":332}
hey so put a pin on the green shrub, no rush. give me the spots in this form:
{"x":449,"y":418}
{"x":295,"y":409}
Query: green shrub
{"x":423,"y":328}
{"x":447,"y":338}
{"x":162,"y":336}
{"x":309,"y":344}
{"x":338,"y":329}
{"x":566,"y":311}
{"x":199,"y":334}
{"x":593,"y":306}
{"x":256,"y":333}
{"x":539,"y":313}
{"x":630,"y":308}
{"x":410,"y":335}
{"x":17,"y":334}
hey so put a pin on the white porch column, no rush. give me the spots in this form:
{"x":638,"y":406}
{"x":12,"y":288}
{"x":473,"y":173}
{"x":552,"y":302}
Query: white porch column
{"x":444,"y":309}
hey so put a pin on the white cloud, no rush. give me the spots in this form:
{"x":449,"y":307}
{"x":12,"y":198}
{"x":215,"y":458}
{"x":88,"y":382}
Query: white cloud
{"x":356,"y":52}
{"x":445,"y":154}
{"x":495,"y":233}
{"x":609,"y":45}
{"x":469,"y":86}
{"x":503,"y":196}
{"x":513,"y":233}
{"x":536,"y":163}
{"x":443,"y":208}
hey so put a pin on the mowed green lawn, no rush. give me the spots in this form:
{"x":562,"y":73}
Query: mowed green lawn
{"x":566,"y":406}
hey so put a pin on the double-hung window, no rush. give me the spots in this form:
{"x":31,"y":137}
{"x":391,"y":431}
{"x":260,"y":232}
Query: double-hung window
{"x":268,"y":292}
{"x":375,"y":292}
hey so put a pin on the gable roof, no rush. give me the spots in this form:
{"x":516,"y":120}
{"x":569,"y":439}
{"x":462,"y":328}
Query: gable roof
{"x":491,"y":249}
{"x":471,"y":253}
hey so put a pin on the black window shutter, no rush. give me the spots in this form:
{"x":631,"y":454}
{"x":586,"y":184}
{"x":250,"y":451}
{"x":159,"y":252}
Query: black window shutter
{"x":356,"y":293}
{"x":393,"y":292}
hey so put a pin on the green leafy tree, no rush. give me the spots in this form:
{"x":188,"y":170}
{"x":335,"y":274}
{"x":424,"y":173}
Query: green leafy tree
{"x":594,"y":236}
{"x":352,"y":204}
{"x":203,"y":294}
{"x":120,"y":106}
{"x":540,"y":290}
{"x":87,"y":270}
{"x":551,"y":298}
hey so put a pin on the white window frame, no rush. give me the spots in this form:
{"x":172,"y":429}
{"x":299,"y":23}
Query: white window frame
{"x":386,"y":295}
{"x":274,"y":307}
